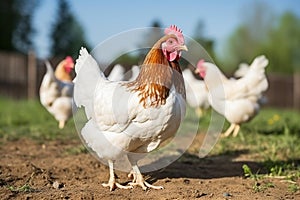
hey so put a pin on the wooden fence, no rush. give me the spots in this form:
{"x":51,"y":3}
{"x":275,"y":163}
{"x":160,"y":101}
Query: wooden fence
{"x":21,"y":76}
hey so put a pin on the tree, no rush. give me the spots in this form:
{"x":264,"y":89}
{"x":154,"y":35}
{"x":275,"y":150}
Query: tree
{"x":67,"y":34}
{"x":16,"y":22}
{"x":283,"y":45}
{"x":206,"y":43}
{"x":247,"y":40}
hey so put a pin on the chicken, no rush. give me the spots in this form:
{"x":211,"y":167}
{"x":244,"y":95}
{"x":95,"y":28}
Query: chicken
{"x":197,"y":100}
{"x":130,"y":119}
{"x":135,"y":70}
{"x":56,"y":91}
{"x":241,"y":71}
{"x":117,"y":73}
{"x":237,"y":100}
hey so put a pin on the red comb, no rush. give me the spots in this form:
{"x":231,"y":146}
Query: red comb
{"x":173,"y":29}
{"x":200,"y":63}
{"x":69,"y":59}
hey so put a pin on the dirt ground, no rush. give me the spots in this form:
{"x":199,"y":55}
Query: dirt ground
{"x":54,"y":170}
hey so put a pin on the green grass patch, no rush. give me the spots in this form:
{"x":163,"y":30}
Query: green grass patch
{"x":271,"y":139}
{"x":29,"y":119}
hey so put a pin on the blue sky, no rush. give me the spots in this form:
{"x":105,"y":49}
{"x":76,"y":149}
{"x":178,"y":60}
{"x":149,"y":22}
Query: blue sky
{"x":102,"y":19}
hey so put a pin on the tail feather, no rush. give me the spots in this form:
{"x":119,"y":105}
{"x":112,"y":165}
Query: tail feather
{"x":87,"y":76}
{"x":260,"y":62}
{"x":49,"y":69}
{"x":257,"y":79}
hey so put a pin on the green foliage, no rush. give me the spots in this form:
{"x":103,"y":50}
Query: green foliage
{"x":272,"y":139}
{"x":24,"y":188}
{"x":290,"y":170}
{"x":282,"y":47}
{"x":263,"y":33}
{"x":293,"y":187}
{"x":207,"y":43}
{"x":16,"y":16}
{"x":67,"y":35}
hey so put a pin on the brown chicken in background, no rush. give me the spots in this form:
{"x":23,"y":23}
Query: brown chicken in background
{"x":56,"y":90}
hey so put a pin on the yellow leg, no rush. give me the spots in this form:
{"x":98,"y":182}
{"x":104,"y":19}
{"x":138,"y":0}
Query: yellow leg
{"x":229,"y":130}
{"x":61,"y":124}
{"x":199,"y":112}
{"x":139,"y":180}
{"x":112,"y":184}
{"x":236,"y":130}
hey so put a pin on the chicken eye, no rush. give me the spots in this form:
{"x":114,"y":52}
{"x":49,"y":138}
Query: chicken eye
{"x":170,"y":41}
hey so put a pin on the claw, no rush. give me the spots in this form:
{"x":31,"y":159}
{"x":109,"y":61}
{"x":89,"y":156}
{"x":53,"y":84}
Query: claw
{"x":113,"y":185}
{"x":139,"y":180}
{"x":145,"y":185}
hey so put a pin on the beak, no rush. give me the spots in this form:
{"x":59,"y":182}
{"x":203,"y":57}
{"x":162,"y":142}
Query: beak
{"x":183,"y":47}
{"x":197,"y":71}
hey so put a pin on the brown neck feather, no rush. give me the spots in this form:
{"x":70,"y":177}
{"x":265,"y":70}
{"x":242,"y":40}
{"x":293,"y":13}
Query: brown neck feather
{"x":156,"y":78}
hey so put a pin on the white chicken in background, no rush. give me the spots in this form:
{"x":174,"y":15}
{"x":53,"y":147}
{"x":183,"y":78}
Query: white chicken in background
{"x":237,"y":100}
{"x":117,"y":73}
{"x":56,"y":91}
{"x":132,"y":118}
{"x":241,"y":71}
{"x":135,"y":70}
{"x":196,"y":92}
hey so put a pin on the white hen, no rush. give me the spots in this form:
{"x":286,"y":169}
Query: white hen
{"x":117,"y":73}
{"x":236,"y":100}
{"x":241,"y":71}
{"x":132,"y":118}
{"x":135,"y":70}
{"x":196,"y":92}
{"x":56,"y":95}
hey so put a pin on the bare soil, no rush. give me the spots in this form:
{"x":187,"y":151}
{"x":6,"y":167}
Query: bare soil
{"x":57,"y":170}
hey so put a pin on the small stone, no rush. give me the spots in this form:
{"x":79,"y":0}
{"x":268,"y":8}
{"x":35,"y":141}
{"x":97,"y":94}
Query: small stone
{"x":199,"y":195}
{"x":57,"y":185}
{"x":186,"y":181}
{"x":226,"y":194}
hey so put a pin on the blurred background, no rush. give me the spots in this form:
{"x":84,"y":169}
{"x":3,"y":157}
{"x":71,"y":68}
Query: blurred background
{"x":35,"y":30}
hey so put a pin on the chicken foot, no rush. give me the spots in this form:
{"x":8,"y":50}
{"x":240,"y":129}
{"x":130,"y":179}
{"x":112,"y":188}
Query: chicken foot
{"x":199,"y":112}
{"x":61,"y":124}
{"x":112,"y":184}
{"x":139,"y":180}
{"x":234,"y":128}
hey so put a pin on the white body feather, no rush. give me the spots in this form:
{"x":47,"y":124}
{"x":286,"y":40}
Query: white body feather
{"x":118,"y":124}
{"x":237,"y":100}
{"x":196,"y":92}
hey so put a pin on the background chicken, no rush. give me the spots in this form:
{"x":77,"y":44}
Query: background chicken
{"x":241,"y":71}
{"x":196,"y":92}
{"x":135,"y":70}
{"x":237,"y":100}
{"x":57,"y":89}
{"x":132,"y":118}
{"x":117,"y":73}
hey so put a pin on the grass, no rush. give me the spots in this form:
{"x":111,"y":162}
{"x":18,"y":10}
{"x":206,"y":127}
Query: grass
{"x":30,"y":119}
{"x":25,"y":188}
{"x":272,"y":139}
